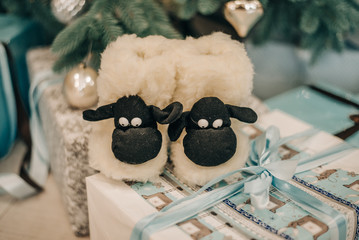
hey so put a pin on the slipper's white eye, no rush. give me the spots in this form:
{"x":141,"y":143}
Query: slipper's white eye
{"x":123,"y":122}
{"x":203,"y":123}
{"x":217,"y":123}
{"x":136,"y":122}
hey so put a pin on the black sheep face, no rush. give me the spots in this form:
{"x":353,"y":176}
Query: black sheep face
{"x":135,"y":139}
{"x":210,"y":140}
{"x":132,"y":112}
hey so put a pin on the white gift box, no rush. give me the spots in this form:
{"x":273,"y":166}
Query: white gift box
{"x":115,"y":207}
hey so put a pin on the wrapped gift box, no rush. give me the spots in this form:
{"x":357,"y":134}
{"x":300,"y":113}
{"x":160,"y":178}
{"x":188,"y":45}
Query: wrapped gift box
{"x":115,"y":207}
{"x":324,"y":112}
{"x":66,"y":134}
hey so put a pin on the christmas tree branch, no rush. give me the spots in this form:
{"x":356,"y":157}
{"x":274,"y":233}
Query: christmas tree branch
{"x":314,"y":25}
{"x":103,"y":23}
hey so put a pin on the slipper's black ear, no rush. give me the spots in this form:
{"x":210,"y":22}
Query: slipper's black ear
{"x":169,"y":114}
{"x":242,"y":113}
{"x":100,"y":113}
{"x":175,"y":129}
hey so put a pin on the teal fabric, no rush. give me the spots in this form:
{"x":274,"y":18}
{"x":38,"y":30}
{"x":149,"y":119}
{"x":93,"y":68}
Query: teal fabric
{"x":17,"y":35}
{"x":8,"y":116}
{"x":319,"y":110}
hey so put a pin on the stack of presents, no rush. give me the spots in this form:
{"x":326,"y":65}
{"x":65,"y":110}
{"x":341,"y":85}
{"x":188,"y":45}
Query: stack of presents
{"x":176,"y":115}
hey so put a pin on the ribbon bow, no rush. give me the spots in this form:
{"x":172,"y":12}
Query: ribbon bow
{"x":264,"y":168}
{"x":264,"y":154}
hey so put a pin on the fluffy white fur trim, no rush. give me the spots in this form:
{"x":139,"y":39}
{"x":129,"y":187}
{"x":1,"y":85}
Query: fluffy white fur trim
{"x":162,"y":70}
{"x":212,"y":66}
{"x":141,"y":66}
{"x":191,"y":173}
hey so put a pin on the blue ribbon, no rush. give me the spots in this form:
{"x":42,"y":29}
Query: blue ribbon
{"x":264,"y":168}
{"x":38,"y":167}
{"x":37,"y":88}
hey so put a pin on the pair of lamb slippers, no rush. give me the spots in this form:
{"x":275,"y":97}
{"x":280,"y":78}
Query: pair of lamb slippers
{"x":206,"y":80}
{"x":208,"y":146}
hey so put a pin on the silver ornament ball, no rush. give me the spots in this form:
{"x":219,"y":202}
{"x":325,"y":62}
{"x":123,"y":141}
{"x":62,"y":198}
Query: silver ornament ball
{"x":80,"y":88}
{"x":67,"y":10}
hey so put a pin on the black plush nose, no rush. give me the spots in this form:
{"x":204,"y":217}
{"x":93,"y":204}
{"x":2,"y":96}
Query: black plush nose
{"x":210,"y":147}
{"x":136,"y":145}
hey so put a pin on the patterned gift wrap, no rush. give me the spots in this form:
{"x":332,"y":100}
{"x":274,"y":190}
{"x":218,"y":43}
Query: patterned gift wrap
{"x":235,"y":218}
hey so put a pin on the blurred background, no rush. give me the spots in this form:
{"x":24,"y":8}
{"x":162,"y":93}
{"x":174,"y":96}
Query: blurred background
{"x":291,"y":43}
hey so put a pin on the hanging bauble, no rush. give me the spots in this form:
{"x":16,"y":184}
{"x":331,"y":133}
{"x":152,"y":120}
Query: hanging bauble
{"x":80,"y":88}
{"x":243,"y":14}
{"x":66,"y":10}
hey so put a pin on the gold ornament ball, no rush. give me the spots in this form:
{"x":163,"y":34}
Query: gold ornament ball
{"x":243,"y":15}
{"x":80,"y":88}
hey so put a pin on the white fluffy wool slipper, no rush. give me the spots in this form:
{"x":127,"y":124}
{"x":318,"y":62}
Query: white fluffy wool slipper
{"x":211,"y":66}
{"x":131,"y":66}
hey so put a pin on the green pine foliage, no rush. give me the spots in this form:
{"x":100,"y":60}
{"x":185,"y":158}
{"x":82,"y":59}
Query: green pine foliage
{"x":103,"y":23}
{"x":19,"y":7}
{"x":186,"y":9}
{"x":316,"y":25}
